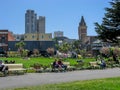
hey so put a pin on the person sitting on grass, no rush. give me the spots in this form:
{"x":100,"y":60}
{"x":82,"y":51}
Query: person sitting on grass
{"x":61,"y":65}
{"x":101,"y":62}
{"x":55,"y":64}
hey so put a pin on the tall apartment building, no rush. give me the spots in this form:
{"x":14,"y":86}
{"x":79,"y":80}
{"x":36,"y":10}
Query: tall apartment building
{"x":41,"y":24}
{"x":32,"y":24}
{"x":30,"y":21}
{"x":35,"y":27}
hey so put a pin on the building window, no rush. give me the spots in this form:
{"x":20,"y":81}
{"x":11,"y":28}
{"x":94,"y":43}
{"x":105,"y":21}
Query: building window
{"x":3,"y":39}
{"x":25,"y":36}
{"x":17,"y":37}
{"x":33,"y":36}
{"x":42,"y":36}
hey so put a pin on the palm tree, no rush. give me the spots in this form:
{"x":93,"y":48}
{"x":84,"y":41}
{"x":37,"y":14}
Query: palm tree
{"x":20,"y":45}
{"x":65,"y":47}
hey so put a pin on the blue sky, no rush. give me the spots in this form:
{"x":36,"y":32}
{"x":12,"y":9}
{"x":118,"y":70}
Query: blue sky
{"x":61,"y":15}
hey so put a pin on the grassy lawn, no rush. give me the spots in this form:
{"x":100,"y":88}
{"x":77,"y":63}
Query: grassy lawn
{"x":42,"y":60}
{"x":99,"y":84}
{"x":28,"y":62}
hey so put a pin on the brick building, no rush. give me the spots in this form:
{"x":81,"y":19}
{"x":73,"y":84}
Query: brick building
{"x":3,"y":41}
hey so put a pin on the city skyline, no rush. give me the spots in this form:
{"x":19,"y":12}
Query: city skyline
{"x":60,"y":15}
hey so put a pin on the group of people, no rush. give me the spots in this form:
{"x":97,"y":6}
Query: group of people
{"x":59,"y":64}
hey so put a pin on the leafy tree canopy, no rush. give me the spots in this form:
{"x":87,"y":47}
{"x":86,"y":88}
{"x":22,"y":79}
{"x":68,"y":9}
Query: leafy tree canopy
{"x":109,"y":30}
{"x":20,"y":44}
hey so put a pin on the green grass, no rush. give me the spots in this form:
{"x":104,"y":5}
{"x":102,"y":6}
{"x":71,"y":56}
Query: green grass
{"x":99,"y":84}
{"x":43,"y":60}
{"x":28,"y":62}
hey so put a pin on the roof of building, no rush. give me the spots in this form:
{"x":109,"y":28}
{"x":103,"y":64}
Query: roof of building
{"x":82,"y":23}
{"x":61,"y":38}
{"x":10,"y":37}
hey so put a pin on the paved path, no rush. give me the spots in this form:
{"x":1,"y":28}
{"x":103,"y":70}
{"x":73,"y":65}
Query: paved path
{"x":46,"y":78}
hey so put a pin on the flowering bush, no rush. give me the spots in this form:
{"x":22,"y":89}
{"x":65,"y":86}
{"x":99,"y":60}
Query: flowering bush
{"x":116,"y":51}
{"x":105,"y":50}
{"x":50,"y":51}
{"x":110,"y":51}
{"x":36,"y":52}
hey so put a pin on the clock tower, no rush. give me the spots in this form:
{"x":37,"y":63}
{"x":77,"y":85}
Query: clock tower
{"x":82,"y":30}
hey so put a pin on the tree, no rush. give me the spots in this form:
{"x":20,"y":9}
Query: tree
{"x":20,"y":45}
{"x":65,"y":47}
{"x":109,"y":30}
{"x":25,"y":53}
{"x":76,"y":46}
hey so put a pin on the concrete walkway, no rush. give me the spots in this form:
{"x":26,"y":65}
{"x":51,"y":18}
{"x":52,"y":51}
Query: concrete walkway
{"x":32,"y":79}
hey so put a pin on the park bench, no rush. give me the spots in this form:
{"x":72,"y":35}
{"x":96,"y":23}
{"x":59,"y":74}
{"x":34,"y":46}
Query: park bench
{"x":94,"y":64}
{"x":69,"y":67}
{"x":16,"y":69}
